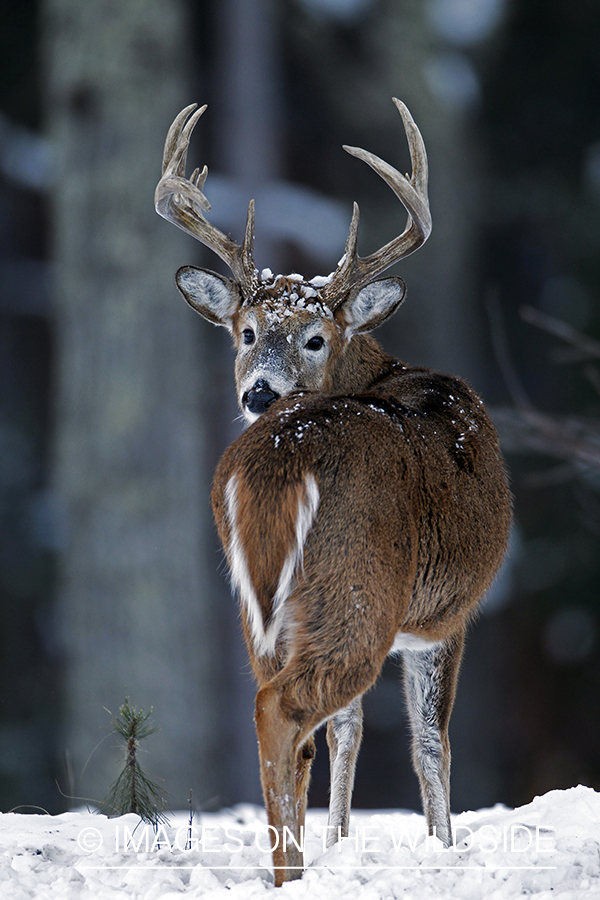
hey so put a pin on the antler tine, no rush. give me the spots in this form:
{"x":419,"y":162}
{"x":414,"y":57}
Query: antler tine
{"x":353,"y":271}
{"x":181,"y":201}
{"x":418,"y":154}
{"x":174,"y":135}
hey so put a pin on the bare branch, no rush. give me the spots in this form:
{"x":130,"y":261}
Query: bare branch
{"x":586,"y":346}
{"x":562,"y":438}
{"x":502,"y":352}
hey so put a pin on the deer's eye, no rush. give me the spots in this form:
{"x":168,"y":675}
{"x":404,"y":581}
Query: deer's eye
{"x":315,"y":343}
{"x":248,"y":336}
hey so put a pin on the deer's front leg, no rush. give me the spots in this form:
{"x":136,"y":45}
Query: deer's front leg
{"x":284,"y":779}
{"x":344,"y":734}
{"x":430,"y":682}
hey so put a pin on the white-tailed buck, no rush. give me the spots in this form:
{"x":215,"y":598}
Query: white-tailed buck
{"x":364,"y":512}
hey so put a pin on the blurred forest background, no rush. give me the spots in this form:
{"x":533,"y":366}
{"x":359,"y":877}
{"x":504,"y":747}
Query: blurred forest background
{"x":116,"y":400}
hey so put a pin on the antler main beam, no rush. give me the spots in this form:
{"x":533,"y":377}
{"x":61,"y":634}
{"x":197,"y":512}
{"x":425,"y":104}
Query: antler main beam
{"x":181,"y":201}
{"x":355,"y":271}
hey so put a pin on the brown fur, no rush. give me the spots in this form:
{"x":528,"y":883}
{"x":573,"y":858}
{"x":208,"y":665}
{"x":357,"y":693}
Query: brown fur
{"x":411,"y":527}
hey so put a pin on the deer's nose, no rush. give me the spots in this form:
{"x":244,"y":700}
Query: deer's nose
{"x":259,"y":397}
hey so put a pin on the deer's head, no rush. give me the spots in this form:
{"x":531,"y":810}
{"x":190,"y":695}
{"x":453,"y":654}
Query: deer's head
{"x":290,"y":334}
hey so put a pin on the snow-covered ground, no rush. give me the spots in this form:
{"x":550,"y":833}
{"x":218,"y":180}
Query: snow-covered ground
{"x":549,"y":848}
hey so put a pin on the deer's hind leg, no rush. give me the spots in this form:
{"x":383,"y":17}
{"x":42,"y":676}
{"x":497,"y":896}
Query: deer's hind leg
{"x":430,"y":678}
{"x":289,"y":708}
{"x":304,"y":758}
{"x":284,"y":773}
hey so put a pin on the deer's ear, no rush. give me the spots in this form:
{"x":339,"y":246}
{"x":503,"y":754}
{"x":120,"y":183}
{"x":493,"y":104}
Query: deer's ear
{"x":374,"y":304}
{"x":213,"y":296}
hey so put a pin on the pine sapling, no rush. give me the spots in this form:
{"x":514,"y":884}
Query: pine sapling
{"x":188,"y":844}
{"x":133,"y":791}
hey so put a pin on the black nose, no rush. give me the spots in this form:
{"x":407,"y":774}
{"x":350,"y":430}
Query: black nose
{"x":259,"y":397}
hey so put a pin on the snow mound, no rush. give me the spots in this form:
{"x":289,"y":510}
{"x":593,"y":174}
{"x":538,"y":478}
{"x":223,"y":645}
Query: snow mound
{"x":549,"y":848}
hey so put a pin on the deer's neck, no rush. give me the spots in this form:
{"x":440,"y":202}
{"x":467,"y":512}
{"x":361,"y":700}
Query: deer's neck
{"x":360,"y":366}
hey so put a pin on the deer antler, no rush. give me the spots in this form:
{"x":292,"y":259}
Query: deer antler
{"x":180,"y":200}
{"x":354,"y":271}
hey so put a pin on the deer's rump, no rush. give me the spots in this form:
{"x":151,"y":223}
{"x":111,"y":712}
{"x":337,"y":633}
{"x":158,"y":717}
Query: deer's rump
{"x":363,"y":510}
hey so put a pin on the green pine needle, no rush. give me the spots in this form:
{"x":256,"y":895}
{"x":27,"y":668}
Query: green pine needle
{"x":133,"y":791}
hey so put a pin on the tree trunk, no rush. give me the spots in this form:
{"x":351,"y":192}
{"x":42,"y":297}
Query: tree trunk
{"x":134,"y":598}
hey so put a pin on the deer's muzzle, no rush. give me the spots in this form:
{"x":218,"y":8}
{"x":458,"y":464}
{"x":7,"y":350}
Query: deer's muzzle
{"x":259,"y":397}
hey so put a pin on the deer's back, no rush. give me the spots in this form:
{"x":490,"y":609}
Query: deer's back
{"x":412,"y":501}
